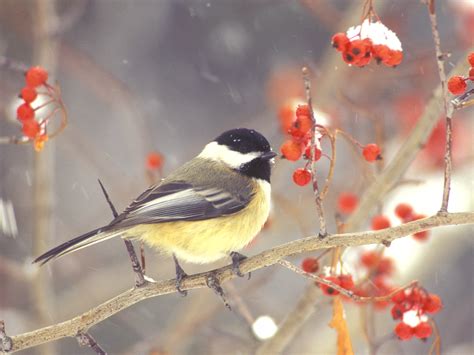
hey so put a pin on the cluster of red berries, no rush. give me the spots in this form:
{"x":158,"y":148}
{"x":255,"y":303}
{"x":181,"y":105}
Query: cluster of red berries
{"x":299,"y":143}
{"x":457,"y":84}
{"x":420,"y":303}
{"x":405,"y":213}
{"x":379,"y":269}
{"x":370,"y":40}
{"x":299,"y":128}
{"x":34,"y":78}
{"x":311,"y":265}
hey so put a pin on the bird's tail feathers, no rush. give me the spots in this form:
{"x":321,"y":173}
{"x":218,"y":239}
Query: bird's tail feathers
{"x":95,"y":236}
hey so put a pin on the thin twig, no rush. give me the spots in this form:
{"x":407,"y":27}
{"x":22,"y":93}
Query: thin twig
{"x":267,"y":258}
{"x":137,"y":269}
{"x":317,"y":197}
{"x":448,"y":107}
{"x":85,"y":339}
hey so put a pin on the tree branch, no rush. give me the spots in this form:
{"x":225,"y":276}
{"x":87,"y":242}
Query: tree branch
{"x":83,"y":322}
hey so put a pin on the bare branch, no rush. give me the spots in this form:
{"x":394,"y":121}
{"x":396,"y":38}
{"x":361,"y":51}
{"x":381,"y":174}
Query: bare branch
{"x":83,"y":322}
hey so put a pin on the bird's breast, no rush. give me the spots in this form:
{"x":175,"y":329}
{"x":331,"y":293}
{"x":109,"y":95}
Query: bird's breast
{"x":209,"y":240}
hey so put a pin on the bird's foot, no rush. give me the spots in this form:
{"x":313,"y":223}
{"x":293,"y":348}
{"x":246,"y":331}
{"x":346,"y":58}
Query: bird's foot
{"x":214,"y":284}
{"x":237,"y":258}
{"x":180,"y":276}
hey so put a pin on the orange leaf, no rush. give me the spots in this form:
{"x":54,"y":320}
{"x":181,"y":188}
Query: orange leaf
{"x":338,"y":322}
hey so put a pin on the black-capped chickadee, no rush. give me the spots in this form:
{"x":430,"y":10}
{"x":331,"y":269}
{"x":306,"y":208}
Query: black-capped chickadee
{"x":209,"y":208}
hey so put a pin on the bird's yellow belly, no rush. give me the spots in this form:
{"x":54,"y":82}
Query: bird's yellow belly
{"x":208,"y":240}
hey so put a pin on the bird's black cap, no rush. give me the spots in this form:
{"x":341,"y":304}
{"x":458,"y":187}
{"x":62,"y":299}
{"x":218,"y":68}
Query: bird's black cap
{"x":244,"y":141}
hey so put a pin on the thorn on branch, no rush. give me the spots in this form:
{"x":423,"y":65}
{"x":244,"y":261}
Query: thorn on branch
{"x":137,"y":268}
{"x":85,"y":339}
{"x":6,"y":343}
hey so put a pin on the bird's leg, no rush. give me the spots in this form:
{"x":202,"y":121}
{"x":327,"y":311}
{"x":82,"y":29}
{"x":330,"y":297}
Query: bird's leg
{"x":237,"y":258}
{"x":180,"y":275}
{"x":213,"y":283}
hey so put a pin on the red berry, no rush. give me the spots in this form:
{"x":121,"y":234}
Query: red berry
{"x":358,"y":48}
{"x":380,"y":52}
{"x":397,"y":311}
{"x":291,"y":150}
{"x":423,"y":330}
{"x":399,"y":297}
{"x":404,"y":331}
{"x":363,"y":61}
{"x":420,"y":235}
{"x":394,"y":58}
{"x":384,"y":267}
{"x":303,"y":110}
{"x":348,"y":57}
{"x":310,"y":265}
{"x":327,"y":290}
{"x":286,"y":115}
{"x":340,"y":41}
{"x":36,"y":76}
{"x":470,"y":59}
{"x":457,"y":85}
{"x":317,"y":153}
{"x":404,"y":211}
{"x":154,"y":161}
{"x":300,"y":126}
{"x":347,"y":202}
{"x":471,"y":74}
{"x":371,"y":152}
{"x":25,"y":112}
{"x":380,"y":222}
{"x":370,"y":258}
{"x":432,"y":304}
{"x":302,"y":176}
{"x":28,"y":94}
{"x":346,"y":282}
{"x":31,"y":128}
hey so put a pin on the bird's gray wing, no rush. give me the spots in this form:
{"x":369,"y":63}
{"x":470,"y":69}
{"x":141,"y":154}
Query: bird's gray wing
{"x":180,"y":201}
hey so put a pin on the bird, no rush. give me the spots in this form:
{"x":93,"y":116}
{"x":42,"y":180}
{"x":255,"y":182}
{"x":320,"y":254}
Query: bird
{"x":209,"y":208}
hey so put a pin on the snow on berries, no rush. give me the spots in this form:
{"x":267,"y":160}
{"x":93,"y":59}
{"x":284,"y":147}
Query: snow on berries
{"x":413,"y":306}
{"x":370,"y":40}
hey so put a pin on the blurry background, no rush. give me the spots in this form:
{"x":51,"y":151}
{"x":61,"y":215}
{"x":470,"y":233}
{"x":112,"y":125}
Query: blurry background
{"x":168,"y":76}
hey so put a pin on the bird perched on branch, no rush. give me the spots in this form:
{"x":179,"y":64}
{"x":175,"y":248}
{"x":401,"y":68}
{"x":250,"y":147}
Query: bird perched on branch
{"x":209,"y":208}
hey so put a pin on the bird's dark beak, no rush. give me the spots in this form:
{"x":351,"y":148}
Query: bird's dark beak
{"x":268,"y":155}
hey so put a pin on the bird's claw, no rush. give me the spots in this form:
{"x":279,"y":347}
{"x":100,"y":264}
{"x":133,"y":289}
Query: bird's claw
{"x":180,"y":276}
{"x":237,"y":258}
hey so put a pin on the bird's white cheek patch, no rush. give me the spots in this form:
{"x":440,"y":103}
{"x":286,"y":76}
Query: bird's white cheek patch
{"x":217,"y":152}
